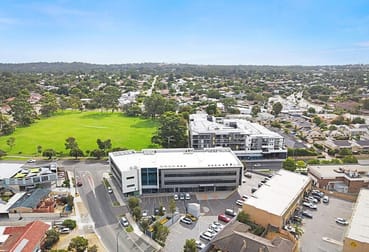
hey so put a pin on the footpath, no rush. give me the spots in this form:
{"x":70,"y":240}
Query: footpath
{"x":137,"y":231}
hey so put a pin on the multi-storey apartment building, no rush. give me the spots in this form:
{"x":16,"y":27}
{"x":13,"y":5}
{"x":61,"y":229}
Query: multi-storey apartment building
{"x":250,"y":141}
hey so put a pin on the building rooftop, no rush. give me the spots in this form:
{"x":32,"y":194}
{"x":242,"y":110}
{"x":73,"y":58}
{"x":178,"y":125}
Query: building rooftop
{"x":277,"y":194}
{"x":4,"y":207}
{"x":32,"y":200}
{"x":23,"y":238}
{"x":359,"y":228}
{"x":203,"y":123}
{"x":334,"y":171}
{"x":175,"y":158}
{"x":8,"y":170}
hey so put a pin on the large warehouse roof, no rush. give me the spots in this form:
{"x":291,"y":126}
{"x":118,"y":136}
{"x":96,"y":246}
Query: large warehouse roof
{"x":279,"y":192}
{"x":175,"y":158}
{"x":359,"y":228}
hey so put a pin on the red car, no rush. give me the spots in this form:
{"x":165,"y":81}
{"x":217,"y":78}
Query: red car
{"x":223,"y":217}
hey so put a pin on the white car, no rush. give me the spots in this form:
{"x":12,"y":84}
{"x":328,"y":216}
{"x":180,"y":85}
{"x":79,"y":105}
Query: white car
{"x":218,"y":224}
{"x":144,"y":213}
{"x":110,"y":190}
{"x":325,"y":199}
{"x":175,"y":197}
{"x":240,"y":202}
{"x":31,"y":161}
{"x":341,"y":221}
{"x":188,"y":197}
{"x":200,"y":245}
{"x":214,"y":227}
{"x":124,"y":222}
{"x":206,"y":236}
{"x":245,"y":197}
{"x":309,"y":205}
{"x":186,"y":220}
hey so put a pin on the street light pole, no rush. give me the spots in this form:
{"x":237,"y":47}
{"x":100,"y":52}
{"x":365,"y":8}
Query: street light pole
{"x":117,"y":238}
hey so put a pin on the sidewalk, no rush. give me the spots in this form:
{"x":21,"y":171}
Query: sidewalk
{"x":129,"y":217}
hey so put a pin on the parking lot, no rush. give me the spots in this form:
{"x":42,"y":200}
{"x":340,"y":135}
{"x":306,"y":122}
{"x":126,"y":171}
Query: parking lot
{"x":322,"y":233}
{"x":211,"y":204}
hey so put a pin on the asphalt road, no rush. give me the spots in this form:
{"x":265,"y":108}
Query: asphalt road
{"x":99,"y":204}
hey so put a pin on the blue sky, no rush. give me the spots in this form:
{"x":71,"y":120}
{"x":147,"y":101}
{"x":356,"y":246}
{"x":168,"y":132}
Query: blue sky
{"x":280,"y":32}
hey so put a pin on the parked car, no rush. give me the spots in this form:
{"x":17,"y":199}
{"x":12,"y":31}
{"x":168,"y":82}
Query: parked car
{"x":248,"y":175}
{"x":175,"y":196}
{"x":223,"y":217}
{"x":215,"y":228}
{"x":190,"y":216}
{"x":206,"y":236}
{"x":309,"y":205}
{"x":239,"y":202}
{"x":110,"y":190}
{"x":245,"y":197}
{"x":325,"y":199}
{"x":218,"y":224}
{"x":144,"y":213}
{"x":181,"y":196}
{"x":200,"y":245}
{"x":254,"y":189}
{"x":31,"y":161}
{"x":124,"y":222}
{"x":187,"y":196}
{"x":186,"y":220}
{"x":341,"y":221}
{"x":307,"y":214}
{"x":230,"y":212}
{"x":64,"y":230}
{"x":296,"y":218}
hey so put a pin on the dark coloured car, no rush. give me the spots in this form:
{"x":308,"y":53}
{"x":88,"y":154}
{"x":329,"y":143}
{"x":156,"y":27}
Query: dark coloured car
{"x":307,"y":214}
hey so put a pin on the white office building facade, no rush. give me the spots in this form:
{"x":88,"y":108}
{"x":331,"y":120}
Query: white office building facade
{"x":176,"y":170}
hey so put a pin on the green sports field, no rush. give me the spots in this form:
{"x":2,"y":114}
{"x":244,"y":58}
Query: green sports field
{"x":86,"y":127}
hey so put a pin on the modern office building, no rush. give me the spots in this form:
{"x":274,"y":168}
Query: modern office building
{"x":251,"y":142}
{"x":357,"y":236}
{"x":176,"y":170}
{"x":276,"y":201}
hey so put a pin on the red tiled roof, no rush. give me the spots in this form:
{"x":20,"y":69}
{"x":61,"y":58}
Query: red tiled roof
{"x":33,"y":232}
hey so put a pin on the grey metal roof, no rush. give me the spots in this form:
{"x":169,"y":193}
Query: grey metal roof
{"x":31,"y":201}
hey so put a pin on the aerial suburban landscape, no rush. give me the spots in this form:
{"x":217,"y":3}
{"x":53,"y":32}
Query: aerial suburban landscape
{"x":253,"y":140}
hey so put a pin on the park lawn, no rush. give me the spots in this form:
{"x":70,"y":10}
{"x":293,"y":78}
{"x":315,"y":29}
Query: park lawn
{"x":86,"y":127}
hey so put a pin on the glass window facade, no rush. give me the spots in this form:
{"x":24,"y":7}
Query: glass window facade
{"x":149,"y":176}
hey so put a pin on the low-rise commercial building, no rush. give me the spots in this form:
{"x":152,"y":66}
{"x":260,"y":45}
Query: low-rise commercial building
{"x":276,"y":201}
{"x":357,"y":236}
{"x":176,"y":170}
{"x":340,"y":178}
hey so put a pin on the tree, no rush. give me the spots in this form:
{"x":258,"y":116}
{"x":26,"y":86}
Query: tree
{"x":39,"y":149}
{"x":72,"y":145}
{"x":172,"y":206}
{"x":49,"y":104}
{"x":110,"y":98}
{"x":92,"y":249}
{"x":190,"y":246}
{"x":6,"y":127}
{"x":10,"y":142}
{"x":277,"y":108}
{"x":349,"y":160}
{"x":132,"y":110}
{"x":243,"y":217}
{"x":69,"y":223}
{"x":228,"y":103}
{"x":97,"y":153}
{"x":212,"y":109}
{"x":133,"y":202}
{"x":172,"y":131}
{"x":2,"y":153}
{"x":160,"y":232}
{"x":78,"y":244}
{"x":137,"y":213}
{"x":255,"y":110}
{"x":52,"y":237}
{"x":154,"y":105}
{"x":289,"y":164}
{"x":311,"y":110}
{"x":104,"y":145}
{"x":145,"y":224}
{"x":358,"y":120}
{"x":22,"y":110}
{"x":49,"y":153}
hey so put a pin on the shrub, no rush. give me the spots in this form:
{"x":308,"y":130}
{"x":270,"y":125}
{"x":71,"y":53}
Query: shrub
{"x":69,"y":223}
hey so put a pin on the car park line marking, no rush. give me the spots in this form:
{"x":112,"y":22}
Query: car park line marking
{"x":330,"y":240}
